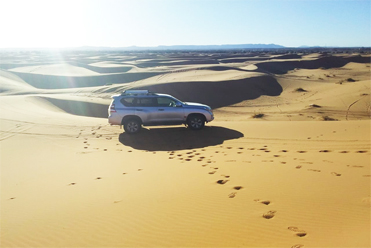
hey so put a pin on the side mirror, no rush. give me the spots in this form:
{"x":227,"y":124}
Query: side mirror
{"x":178,"y":105}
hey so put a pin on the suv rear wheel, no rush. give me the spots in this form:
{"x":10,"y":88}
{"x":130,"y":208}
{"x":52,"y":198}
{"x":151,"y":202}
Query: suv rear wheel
{"x":196,"y":122}
{"x":132,"y":126}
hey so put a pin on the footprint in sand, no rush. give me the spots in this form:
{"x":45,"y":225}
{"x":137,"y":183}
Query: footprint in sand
{"x":298,"y":167}
{"x":265,"y":202}
{"x":344,"y":152}
{"x":324,"y":151}
{"x":361,"y":151}
{"x":222,"y":181}
{"x":98,"y":178}
{"x":314,"y":170}
{"x":212,"y":172}
{"x":71,"y":184}
{"x":298,"y":232}
{"x":237,"y":187}
{"x":357,"y":166}
{"x":302,"y":151}
{"x":232,"y":195}
{"x":297,"y":246}
{"x":336,"y":174}
{"x":269,"y":214}
{"x":284,"y":151}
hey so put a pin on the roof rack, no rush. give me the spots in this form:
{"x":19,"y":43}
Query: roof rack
{"x":136,"y":92}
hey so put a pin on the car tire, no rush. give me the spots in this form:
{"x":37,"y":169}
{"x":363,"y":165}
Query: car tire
{"x":196,"y":122}
{"x":132,"y":126}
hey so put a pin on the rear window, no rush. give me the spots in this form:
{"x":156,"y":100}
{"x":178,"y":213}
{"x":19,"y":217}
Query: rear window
{"x":127,"y":101}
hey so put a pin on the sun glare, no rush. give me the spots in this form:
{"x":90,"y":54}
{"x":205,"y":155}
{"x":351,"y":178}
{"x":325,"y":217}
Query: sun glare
{"x":41,"y":23}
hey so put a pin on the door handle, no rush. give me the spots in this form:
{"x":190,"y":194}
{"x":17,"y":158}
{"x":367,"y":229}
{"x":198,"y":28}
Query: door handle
{"x":161,"y":109}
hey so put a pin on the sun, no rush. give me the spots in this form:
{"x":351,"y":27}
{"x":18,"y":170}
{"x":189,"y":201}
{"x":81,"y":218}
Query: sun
{"x":42,"y":23}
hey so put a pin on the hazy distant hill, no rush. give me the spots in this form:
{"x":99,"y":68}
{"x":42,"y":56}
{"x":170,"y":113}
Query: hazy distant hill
{"x":189,"y":47}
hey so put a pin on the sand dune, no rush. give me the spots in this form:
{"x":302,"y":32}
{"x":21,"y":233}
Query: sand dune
{"x":285,"y":163}
{"x":55,"y":69}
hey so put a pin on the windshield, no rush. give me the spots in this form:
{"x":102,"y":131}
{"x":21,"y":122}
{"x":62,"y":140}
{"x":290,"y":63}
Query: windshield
{"x":179,"y":101}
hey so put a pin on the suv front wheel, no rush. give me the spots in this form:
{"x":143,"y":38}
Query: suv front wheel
{"x":196,"y":122}
{"x":132,"y":126}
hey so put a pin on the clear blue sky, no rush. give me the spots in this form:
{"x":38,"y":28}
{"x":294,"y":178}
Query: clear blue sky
{"x":119,"y":23}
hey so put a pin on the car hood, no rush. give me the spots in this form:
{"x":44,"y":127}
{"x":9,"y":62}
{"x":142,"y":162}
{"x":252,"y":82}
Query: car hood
{"x":196,"y":105}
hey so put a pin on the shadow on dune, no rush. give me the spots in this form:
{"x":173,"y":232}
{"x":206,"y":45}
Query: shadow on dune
{"x":285,"y":66}
{"x":120,"y":69}
{"x":323,"y":62}
{"x":220,"y":94}
{"x":241,"y":60}
{"x":178,"y":138}
{"x":80,"y":108}
{"x":61,"y":82}
{"x":154,"y":63}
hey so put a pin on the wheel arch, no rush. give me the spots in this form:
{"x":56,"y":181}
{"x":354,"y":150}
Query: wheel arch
{"x":199,"y":114}
{"x":129,"y":117}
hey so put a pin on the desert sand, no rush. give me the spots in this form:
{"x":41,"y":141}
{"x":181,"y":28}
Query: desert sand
{"x":285,"y":163}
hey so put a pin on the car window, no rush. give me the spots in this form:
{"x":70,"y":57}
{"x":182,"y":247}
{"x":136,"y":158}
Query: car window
{"x":146,"y":102}
{"x":165,"y":102}
{"x":127,"y":101}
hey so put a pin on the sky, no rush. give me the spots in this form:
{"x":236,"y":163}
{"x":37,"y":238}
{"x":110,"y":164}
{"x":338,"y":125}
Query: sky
{"x":122,"y":23}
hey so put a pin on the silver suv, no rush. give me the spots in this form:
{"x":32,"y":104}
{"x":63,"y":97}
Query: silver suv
{"x":134,"y":108}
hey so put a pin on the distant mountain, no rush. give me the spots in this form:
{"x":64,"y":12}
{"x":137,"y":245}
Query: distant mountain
{"x":187,"y":47}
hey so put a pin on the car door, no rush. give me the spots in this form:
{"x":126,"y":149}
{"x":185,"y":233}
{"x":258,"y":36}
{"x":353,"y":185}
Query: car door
{"x":168,"y":111}
{"x":146,"y":108}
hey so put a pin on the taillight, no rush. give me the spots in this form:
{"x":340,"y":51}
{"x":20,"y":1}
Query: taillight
{"x":112,"y":108}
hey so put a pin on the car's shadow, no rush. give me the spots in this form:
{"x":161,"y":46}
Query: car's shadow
{"x":178,"y":138}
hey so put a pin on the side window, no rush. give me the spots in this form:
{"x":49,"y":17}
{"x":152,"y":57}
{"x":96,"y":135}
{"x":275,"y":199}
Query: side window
{"x":127,"y":101}
{"x":146,"y":102}
{"x":165,"y":102}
